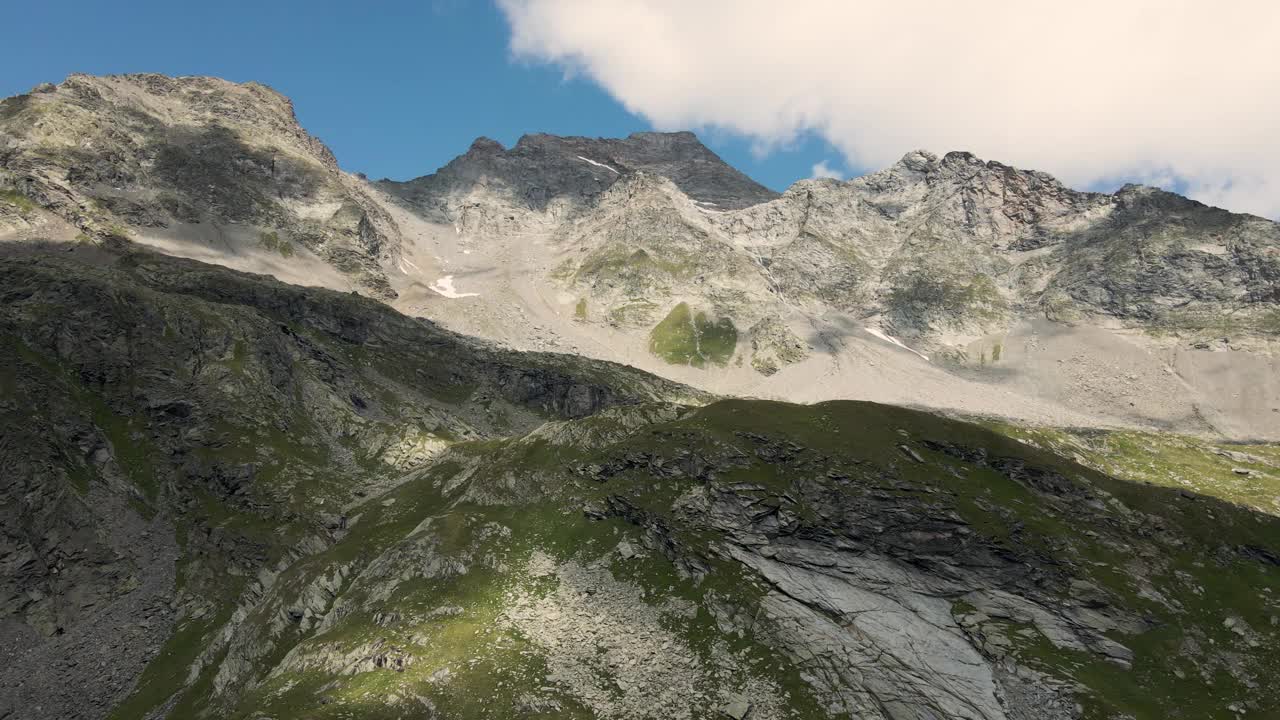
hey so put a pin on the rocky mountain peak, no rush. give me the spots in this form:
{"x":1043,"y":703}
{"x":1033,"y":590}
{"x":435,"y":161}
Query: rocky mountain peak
{"x":542,"y":168}
{"x":918,"y":160}
{"x":177,"y":160}
{"x":483,"y":144}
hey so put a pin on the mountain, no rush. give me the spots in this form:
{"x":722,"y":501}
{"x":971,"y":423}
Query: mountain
{"x":230,"y":496}
{"x":942,"y":282}
{"x":186,"y":162}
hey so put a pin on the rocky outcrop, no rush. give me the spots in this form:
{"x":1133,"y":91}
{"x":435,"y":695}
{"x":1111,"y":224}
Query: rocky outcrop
{"x":941,"y":253}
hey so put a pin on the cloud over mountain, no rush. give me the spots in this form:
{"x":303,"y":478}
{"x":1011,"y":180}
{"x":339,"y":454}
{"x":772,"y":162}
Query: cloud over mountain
{"x":1175,"y":92}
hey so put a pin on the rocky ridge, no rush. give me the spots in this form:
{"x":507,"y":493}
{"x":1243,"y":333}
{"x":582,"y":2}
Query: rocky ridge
{"x":965,"y":264}
{"x":544,"y":171}
{"x":943,"y":281}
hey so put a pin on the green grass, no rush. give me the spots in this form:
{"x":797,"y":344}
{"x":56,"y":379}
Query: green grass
{"x":1169,"y":460}
{"x":130,"y":446}
{"x":948,"y":301}
{"x":168,"y":670}
{"x":16,"y":199}
{"x":272,"y":241}
{"x":634,"y":267}
{"x":117,"y":230}
{"x":631,"y":313}
{"x":685,"y":338}
{"x":580,"y":310}
{"x":528,"y":487}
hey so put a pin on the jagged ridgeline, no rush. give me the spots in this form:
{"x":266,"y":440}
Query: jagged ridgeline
{"x":226,"y":497}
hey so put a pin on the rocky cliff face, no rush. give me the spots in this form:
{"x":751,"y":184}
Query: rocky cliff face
{"x":190,"y":160}
{"x":931,"y":249}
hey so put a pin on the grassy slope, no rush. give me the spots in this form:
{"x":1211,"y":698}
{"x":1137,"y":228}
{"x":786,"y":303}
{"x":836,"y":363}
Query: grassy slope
{"x":1195,"y":558}
{"x":687,"y":338}
{"x":1169,"y":460}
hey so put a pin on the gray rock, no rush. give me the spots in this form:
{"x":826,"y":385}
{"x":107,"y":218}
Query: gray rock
{"x":737,"y":708}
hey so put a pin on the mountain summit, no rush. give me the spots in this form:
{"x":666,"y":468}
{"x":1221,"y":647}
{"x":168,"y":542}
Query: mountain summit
{"x":189,"y":162}
{"x":542,"y":169}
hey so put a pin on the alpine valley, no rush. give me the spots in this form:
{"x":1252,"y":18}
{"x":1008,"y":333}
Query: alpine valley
{"x":603,"y":428}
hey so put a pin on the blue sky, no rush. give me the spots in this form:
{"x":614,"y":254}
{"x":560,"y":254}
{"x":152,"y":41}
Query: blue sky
{"x":396,"y":88}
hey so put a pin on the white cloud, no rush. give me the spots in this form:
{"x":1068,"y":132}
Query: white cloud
{"x":823,"y":170}
{"x":1091,"y":90}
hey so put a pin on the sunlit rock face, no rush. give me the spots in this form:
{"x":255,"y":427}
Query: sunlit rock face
{"x":188,"y":160}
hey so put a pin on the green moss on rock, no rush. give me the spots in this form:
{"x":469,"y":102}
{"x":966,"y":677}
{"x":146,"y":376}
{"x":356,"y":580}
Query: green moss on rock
{"x":271,"y":240}
{"x":686,"y":338}
{"x":17,"y":200}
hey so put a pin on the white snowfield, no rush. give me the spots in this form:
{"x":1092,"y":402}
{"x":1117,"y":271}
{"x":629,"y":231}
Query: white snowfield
{"x":593,"y":162}
{"x":444,"y":286}
{"x":880,"y":334}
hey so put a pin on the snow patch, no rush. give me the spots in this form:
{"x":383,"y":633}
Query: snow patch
{"x":444,"y":286}
{"x":593,"y":162}
{"x":893,"y":340}
{"x":406,"y":261}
